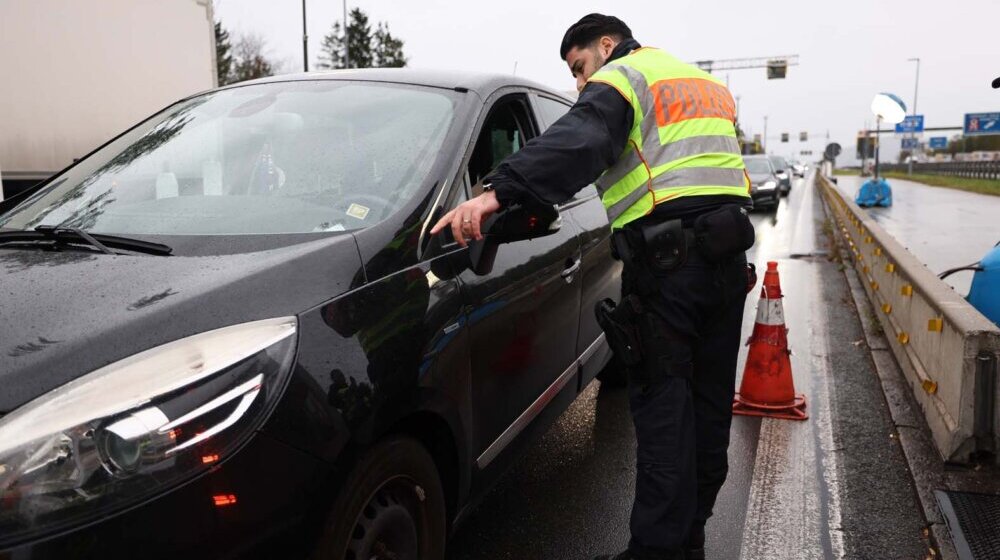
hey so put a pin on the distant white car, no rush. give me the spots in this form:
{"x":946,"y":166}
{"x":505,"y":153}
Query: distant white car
{"x":799,"y":168}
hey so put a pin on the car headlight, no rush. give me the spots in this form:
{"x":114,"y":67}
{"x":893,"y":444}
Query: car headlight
{"x":768,"y":185}
{"x":138,"y":426}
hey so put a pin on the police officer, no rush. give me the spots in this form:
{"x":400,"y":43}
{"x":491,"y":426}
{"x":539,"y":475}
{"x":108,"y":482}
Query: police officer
{"x":658,"y":137}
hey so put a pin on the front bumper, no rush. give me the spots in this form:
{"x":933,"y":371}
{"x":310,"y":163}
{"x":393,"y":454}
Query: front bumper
{"x":765,"y":197}
{"x":277,"y":513}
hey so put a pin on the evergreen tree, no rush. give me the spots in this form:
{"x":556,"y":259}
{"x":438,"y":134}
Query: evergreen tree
{"x":359,"y":40}
{"x":366,"y":49}
{"x":223,"y":55}
{"x":388,"y":49}
{"x":331,"y":51}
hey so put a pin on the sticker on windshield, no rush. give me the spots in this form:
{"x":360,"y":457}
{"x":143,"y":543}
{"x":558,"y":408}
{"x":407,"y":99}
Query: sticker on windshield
{"x":358,"y":211}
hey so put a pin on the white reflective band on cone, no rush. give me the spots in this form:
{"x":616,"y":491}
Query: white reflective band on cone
{"x":770,"y":312}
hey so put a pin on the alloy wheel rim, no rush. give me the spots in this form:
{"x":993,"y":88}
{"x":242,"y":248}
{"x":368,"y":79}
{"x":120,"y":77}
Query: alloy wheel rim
{"x":390,"y":525}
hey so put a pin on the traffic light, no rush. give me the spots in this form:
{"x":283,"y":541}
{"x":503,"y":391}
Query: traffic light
{"x":776,"y":69}
{"x":866,"y":146}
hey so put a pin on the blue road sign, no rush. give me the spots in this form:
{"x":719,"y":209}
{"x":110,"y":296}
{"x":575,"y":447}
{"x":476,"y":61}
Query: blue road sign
{"x":982,"y":123}
{"x":910,"y":143}
{"x":939,"y":142}
{"x":912,"y":123}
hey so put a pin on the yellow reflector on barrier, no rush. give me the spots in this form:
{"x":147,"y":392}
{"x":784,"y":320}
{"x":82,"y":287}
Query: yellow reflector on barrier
{"x":874,"y":285}
{"x":891,"y":268}
{"x":864,"y":269}
{"x":935,"y":325}
{"x":868,"y":239}
{"x":907,"y":290}
{"x":929,"y":386}
{"x":878,"y":251}
{"x":887,"y":308}
{"x":903,"y":338}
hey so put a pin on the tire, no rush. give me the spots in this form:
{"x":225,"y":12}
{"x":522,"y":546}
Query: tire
{"x":391,"y":507}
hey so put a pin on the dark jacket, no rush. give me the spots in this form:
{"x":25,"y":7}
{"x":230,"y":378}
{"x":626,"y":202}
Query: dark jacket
{"x":578,"y":147}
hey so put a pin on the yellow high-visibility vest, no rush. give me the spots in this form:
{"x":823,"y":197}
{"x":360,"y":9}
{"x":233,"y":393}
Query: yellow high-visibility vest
{"x":683,"y":138}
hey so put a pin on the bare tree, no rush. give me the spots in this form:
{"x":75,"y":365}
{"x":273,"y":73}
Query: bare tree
{"x":249,"y":58}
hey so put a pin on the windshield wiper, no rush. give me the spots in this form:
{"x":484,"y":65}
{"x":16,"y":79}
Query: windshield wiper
{"x":56,"y":233}
{"x":66,"y":235}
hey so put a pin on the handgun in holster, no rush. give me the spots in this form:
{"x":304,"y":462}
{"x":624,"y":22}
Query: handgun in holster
{"x":620,"y":324}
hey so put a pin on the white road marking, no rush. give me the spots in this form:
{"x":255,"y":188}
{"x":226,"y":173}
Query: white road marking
{"x":793,"y":511}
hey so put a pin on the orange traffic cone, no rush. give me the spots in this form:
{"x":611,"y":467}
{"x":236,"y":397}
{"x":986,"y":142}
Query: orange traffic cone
{"x":767,"y":388}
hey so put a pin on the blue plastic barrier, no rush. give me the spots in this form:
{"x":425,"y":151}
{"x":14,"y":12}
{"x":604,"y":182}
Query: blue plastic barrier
{"x":874,"y":192}
{"x":985,"y":292}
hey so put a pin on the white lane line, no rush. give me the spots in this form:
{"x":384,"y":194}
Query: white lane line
{"x":793,"y":511}
{"x":783,"y":516}
{"x":824,"y":424}
{"x":804,"y":238}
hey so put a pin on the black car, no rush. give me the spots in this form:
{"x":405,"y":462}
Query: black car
{"x":783,"y":172}
{"x":764,"y":183}
{"x":228,"y":333}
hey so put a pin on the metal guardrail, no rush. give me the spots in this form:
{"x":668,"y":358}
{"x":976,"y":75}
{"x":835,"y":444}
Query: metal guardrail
{"x":947,"y":349}
{"x":968,"y":169}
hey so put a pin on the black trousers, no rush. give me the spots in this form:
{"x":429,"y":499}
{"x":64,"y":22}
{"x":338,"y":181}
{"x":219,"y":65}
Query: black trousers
{"x":681,"y":398}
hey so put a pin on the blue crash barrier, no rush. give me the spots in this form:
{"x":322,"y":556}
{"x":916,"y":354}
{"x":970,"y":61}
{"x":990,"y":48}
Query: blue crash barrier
{"x":874,"y":192}
{"x":985,"y":292}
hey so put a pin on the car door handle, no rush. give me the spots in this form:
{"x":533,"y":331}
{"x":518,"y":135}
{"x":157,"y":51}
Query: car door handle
{"x":570,"y":270}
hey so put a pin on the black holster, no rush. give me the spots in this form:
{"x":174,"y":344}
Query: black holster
{"x":657,"y":246}
{"x":620,"y":324}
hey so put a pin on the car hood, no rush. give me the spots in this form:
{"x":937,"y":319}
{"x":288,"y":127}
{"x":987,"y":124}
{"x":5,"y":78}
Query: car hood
{"x":64,"y":314}
{"x":757,"y":178}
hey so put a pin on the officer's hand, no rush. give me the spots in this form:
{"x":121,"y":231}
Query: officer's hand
{"x":467,"y":218}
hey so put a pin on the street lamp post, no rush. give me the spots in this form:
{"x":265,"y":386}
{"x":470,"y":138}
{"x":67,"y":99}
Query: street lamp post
{"x":878,"y":133}
{"x":763,"y":145}
{"x":892,"y":110}
{"x":916,"y":87}
{"x":347,"y":47}
{"x":305,"y":40}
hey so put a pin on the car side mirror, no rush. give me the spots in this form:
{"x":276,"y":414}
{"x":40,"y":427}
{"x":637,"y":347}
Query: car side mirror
{"x":518,"y":223}
{"x":521,"y":222}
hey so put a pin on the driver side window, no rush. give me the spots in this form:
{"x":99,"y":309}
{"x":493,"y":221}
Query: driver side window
{"x":506,"y":130}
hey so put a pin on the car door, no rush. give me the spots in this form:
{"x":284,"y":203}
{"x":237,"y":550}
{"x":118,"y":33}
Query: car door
{"x":523,"y":315}
{"x":600,"y":274}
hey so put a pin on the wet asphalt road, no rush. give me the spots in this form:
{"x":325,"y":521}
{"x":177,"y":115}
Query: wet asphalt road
{"x":944,"y":228}
{"x":835,"y":486}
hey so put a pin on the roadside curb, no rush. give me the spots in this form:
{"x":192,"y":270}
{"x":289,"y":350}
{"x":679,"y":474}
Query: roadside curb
{"x":923,"y":460}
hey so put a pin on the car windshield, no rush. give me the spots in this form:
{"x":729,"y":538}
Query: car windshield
{"x":779,"y":163}
{"x":757,"y":166}
{"x":289,"y":157}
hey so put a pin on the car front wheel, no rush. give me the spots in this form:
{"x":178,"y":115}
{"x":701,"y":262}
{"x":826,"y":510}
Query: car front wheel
{"x":391,"y":507}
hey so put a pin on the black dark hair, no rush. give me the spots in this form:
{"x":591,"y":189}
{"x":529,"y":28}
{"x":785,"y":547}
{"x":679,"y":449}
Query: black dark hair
{"x":590,"y":28}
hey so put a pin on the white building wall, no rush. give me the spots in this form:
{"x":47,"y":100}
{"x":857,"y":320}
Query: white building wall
{"x":75,"y":73}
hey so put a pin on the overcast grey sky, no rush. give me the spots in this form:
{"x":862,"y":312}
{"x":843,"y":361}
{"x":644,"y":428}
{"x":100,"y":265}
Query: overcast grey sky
{"x":849,"y":50}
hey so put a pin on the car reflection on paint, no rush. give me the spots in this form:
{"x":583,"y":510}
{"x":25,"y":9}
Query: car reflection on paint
{"x":268,"y":355}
